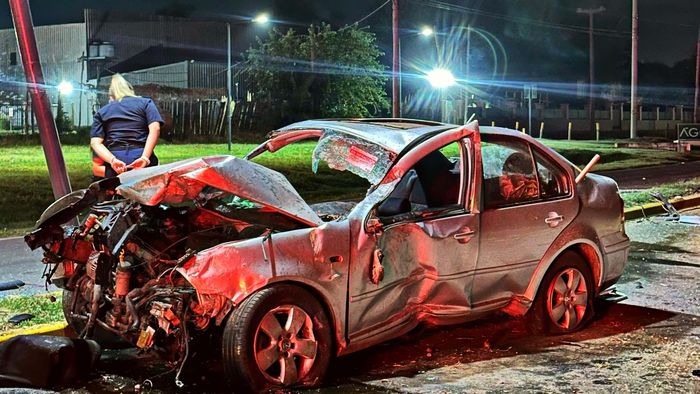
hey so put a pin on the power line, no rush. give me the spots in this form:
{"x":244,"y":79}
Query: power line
{"x":547,"y":24}
{"x":371,"y":13}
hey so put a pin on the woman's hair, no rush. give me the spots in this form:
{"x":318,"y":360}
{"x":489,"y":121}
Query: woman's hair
{"x":120,"y":88}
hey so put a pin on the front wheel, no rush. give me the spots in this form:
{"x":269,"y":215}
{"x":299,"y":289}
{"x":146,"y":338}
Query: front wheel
{"x":278,"y":337}
{"x":564,"y":301}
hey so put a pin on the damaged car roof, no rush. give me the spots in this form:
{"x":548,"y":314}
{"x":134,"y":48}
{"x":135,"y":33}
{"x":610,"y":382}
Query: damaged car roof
{"x":185,"y":180}
{"x":393,"y":135}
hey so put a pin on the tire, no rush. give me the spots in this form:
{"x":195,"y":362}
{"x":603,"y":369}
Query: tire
{"x":254,"y":361}
{"x":561,"y":306}
{"x":67,"y":302}
{"x":105,"y":338}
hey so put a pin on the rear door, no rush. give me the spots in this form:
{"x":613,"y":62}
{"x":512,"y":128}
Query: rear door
{"x":527,"y":202}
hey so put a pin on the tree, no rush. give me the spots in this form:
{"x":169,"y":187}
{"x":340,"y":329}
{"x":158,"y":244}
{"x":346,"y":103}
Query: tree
{"x":323,"y":73}
{"x":63,"y":122}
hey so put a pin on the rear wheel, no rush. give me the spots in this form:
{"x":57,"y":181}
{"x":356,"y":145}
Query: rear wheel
{"x":564,"y":301}
{"x":278,"y":337}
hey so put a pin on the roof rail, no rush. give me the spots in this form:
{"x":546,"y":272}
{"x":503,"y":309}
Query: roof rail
{"x":387,"y":120}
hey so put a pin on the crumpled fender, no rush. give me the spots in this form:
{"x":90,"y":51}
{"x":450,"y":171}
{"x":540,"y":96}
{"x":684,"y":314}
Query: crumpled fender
{"x":315,"y":258}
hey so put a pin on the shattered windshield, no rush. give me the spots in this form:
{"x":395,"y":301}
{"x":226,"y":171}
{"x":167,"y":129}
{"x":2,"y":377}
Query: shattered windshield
{"x":344,"y":153}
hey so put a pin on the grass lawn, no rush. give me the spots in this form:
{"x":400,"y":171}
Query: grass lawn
{"x":26,"y":191}
{"x":41,"y":306}
{"x":671,"y":190}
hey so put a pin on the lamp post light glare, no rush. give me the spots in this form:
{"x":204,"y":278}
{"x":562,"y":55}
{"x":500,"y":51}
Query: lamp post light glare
{"x":426,"y":31}
{"x":441,"y":78}
{"x":65,"y":88}
{"x":261,"y":19}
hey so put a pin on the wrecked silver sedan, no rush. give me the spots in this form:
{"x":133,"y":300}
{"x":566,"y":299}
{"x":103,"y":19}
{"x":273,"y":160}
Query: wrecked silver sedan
{"x":458,"y":221}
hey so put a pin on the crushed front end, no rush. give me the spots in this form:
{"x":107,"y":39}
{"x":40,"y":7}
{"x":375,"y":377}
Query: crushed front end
{"x":118,"y":266}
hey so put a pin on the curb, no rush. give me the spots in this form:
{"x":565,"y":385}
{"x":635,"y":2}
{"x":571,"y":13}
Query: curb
{"x":657,"y":208}
{"x":35,"y":330}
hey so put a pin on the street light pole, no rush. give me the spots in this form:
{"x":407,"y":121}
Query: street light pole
{"x":465,"y":92}
{"x":633,"y":82}
{"x":26,"y":41}
{"x":696,"y":112}
{"x":228,"y":85}
{"x":395,"y":99}
{"x":591,"y":62}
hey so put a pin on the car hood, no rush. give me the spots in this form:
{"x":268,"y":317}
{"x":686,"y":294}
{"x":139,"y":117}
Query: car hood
{"x":186,"y":180}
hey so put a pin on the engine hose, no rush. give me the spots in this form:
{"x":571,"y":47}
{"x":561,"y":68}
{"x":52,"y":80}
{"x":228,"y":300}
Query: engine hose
{"x":94,"y":307}
{"x":130,"y":303}
{"x":132,"y":309}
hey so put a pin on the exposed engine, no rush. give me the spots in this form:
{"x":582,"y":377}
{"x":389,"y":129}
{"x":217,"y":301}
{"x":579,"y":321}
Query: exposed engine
{"x":118,"y":268}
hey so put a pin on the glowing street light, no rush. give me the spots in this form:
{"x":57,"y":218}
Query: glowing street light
{"x":65,"y":88}
{"x":441,"y":78}
{"x":261,"y":19}
{"x":427,"y":31}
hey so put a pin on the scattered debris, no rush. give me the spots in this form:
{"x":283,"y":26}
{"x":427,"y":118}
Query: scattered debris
{"x":673,"y":214}
{"x":11,"y":285}
{"x":572,"y":343}
{"x":16,"y":319}
{"x":612,"y":295}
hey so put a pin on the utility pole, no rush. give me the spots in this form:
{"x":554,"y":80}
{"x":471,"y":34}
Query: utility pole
{"x":633,"y":83}
{"x":696,"y":111}
{"x":466,"y":76}
{"x":228,"y":86}
{"x":26,"y":41}
{"x":591,"y":62}
{"x":395,"y":99}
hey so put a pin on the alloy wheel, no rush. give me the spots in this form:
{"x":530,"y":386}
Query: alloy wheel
{"x":567,"y":299}
{"x":285,"y":346}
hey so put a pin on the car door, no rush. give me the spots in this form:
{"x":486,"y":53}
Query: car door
{"x":424,"y":257}
{"x":527,"y":202}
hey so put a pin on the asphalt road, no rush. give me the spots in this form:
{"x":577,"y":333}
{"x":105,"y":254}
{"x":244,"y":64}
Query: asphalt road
{"x":643,"y":178}
{"x":18,"y":262}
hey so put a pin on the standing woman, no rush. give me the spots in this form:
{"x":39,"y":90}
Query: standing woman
{"x":125,"y":131}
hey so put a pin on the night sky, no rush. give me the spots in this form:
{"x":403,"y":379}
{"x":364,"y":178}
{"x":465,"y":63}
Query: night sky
{"x":541,"y":36}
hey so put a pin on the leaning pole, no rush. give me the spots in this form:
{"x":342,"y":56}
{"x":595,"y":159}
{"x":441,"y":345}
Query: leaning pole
{"x":24,"y":30}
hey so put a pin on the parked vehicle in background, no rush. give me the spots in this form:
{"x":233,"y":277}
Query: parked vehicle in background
{"x":458,"y":222}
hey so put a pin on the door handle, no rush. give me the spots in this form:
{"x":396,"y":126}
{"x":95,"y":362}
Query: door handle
{"x":465,"y":236}
{"x":553,"y":219}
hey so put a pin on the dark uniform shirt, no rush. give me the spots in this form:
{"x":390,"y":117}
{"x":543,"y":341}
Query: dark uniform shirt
{"x":125,"y":122}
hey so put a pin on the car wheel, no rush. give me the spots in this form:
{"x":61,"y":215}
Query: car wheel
{"x":564,"y":301}
{"x":278,"y":337}
{"x":67,"y":302}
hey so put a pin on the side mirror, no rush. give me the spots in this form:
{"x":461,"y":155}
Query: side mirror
{"x":373,"y":226}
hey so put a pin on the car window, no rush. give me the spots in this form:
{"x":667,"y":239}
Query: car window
{"x":553,"y":180}
{"x":509,"y":173}
{"x":433,"y":184}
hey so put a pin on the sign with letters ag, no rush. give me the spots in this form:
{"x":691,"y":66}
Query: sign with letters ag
{"x":688,"y":131}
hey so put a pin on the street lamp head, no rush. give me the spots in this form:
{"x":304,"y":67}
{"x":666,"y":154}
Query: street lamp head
{"x":261,"y":19}
{"x":65,"y":88}
{"x":441,"y":78}
{"x":427,"y":31}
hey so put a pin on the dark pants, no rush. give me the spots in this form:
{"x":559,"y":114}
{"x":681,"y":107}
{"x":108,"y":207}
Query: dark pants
{"x":128,"y":155}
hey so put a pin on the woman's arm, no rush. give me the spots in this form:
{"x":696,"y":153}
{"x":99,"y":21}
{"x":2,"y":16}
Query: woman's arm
{"x":152,"y":139}
{"x":96,"y":143}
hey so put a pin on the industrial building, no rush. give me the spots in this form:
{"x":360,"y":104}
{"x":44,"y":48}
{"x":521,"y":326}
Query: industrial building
{"x":183,"y":53}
